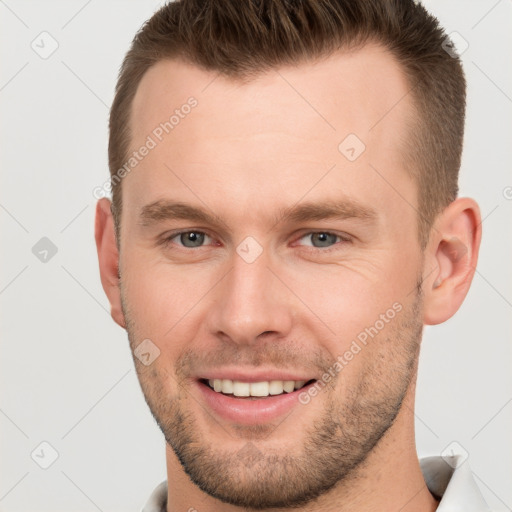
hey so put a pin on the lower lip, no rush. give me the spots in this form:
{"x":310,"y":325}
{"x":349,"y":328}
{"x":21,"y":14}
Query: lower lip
{"x":245,"y":411}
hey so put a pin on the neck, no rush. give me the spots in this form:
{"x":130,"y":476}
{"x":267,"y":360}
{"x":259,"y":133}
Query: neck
{"x":389,"y":480}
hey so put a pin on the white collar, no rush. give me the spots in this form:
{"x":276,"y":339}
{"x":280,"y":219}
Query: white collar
{"x":452,"y":479}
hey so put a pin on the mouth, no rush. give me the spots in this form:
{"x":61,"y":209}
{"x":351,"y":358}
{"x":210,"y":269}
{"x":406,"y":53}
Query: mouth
{"x":248,"y":398}
{"x":255,"y":390}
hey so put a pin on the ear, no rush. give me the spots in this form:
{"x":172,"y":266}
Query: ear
{"x":108,"y":257}
{"x":452,"y":252}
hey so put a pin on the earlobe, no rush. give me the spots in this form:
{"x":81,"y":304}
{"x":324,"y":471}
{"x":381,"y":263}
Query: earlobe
{"x":108,"y":258}
{"x":452,"y":253}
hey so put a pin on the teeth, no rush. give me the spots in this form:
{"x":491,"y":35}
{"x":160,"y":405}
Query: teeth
{"x":227,"y":386}
{"x":275,"y":387}
{"x":261,"y":389}
{"x":289,"y":385}
{"x":241,"y":388}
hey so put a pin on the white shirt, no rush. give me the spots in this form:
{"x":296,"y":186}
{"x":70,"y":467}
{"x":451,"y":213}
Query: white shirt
{"x":449,"y":479}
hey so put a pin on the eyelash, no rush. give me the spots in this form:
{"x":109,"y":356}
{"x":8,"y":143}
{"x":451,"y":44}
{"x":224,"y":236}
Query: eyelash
{"x":343,"y":239}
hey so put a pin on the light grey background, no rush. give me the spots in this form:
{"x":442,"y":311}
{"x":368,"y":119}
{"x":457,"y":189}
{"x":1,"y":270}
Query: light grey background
{"x":66,"y":374}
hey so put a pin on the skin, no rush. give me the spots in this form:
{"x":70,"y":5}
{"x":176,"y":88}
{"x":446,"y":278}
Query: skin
{"x":243,"y":153}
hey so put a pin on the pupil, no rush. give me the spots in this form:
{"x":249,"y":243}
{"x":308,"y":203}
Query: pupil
{"x":324,"y":239}
{"x":192,"y":239}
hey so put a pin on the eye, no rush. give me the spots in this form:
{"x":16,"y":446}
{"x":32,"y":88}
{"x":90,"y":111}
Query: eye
{"x":189,"y":239}
{"x":321,"y":239}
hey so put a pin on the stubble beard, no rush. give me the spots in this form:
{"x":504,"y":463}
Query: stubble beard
{"x":333,"y":447}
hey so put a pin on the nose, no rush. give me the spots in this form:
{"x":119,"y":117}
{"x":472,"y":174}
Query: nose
{"x":250,"y":303}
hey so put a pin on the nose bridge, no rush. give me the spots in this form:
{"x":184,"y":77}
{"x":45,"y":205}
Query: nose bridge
{"x":250,"y":300}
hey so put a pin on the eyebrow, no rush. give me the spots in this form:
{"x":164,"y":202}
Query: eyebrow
{"x":164,"y":210}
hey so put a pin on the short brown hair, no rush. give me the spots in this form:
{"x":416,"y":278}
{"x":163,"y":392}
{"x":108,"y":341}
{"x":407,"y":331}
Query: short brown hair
{"x":241,"y":39}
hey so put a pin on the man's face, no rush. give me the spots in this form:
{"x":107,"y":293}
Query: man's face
{"x":257,"y":294}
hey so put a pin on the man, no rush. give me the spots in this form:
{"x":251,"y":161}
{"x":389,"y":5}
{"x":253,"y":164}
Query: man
{"x":284,"y":222}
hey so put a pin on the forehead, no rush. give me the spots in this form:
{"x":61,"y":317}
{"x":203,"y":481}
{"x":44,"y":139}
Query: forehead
{"x":274,"y":135}
{"x":347,"y":89}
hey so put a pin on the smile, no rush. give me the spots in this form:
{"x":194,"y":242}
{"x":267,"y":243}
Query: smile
{"x":250,"y":403}
{"x":254,"y":389}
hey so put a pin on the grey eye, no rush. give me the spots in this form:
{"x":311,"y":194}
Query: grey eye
{"x":192,"y":238}
{"x":323,"y":239}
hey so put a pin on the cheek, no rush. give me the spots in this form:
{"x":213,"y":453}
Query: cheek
{"x":344,"y":300}
{"x":162,"y":299}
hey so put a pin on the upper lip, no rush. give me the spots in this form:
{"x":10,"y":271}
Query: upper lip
{"x":254,"y":376}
